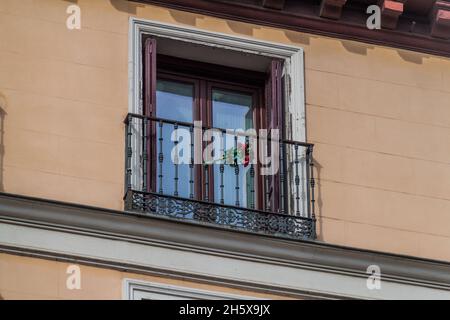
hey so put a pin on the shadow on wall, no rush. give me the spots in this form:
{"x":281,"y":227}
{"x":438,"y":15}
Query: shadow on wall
{"x":192,"y":19}
{"x":298,"y":38}
{"x":318,"y":198}
{"x":413,"y":57}
{"x":357,"y":48}
{"x":121,"y":5}
{"x":242,"y":28}
{"x":126,"y":6}
{"x":185,"y":17}
{"x":363,"y":48}
{"x":2,"y":133}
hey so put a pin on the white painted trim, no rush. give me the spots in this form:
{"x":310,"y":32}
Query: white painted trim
{"x":206,"y":265}
{"x":134,"y":289}
{"x":292,"y":55}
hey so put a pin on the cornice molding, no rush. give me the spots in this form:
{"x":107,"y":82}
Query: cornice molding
{"x":273,"y":4}
{"x":440,"y":16}
{"x":332,"y":8}
{"x":160,"y":231}
{"x":390,"y":13}
{"x":415,"y":33}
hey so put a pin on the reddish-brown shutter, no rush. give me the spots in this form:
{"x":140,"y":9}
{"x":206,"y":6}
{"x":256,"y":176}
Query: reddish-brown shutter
{"x":274,"y":104}
{"x":150,"y":108}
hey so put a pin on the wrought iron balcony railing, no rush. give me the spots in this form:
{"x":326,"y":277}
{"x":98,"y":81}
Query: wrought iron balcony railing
{"x":229,"y":192}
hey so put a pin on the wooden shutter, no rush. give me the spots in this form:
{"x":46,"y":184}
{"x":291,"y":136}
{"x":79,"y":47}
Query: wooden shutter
{"x":274,"y":113}
{"x":149,"y":108}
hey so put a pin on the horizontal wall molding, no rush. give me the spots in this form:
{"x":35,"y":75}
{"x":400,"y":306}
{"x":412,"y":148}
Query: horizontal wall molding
{"x":64,"y":220}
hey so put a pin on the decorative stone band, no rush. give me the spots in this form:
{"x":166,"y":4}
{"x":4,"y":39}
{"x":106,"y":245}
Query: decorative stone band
{"x":130,"y":241}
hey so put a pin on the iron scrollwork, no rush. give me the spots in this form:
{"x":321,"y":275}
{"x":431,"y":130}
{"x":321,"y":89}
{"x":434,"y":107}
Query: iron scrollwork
{"x":280,"y":225}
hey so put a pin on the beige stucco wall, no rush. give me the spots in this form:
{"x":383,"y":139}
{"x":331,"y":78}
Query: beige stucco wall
{"x":32,"y":278}
{"x":380,"y":119}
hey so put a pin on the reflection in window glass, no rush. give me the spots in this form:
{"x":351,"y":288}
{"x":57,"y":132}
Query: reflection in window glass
{"x":233,"y":110}
{"x":174,"y":101}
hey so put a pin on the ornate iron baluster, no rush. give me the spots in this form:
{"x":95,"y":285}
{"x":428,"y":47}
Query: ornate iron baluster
{"x":221,"y":170}
{"x":191,"y":165}
{"x":267,"y":192}
{"x":236,"y":170}
{"x":282,"y":209}
{"x":312,"y":184}
{"x":252,"y":187}
{"x":145,"y":137}
{"x":161,"y":157}
{"x":297,"y":181}
{"x":206,"y":182}
{"x":175,"y":192}
{"x":129,"y":151}
{"x":252,"y":173}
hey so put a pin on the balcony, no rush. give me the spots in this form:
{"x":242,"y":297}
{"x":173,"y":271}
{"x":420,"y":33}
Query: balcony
{"x":231,"y":193}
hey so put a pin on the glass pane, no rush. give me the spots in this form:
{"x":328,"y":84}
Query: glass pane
{"x":233,"y":110}
{"x":174,"y":101}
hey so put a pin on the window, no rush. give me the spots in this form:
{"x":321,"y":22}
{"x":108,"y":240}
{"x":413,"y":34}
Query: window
{"x":179,"y":92}
{"x":184,"y":76}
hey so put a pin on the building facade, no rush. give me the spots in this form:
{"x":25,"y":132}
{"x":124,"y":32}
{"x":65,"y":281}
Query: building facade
{"x":336,"y":188}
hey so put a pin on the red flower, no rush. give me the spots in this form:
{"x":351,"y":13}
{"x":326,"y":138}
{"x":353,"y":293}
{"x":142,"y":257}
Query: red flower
{"x":246,"y":160}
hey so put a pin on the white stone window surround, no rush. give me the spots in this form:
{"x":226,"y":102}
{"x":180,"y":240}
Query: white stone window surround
{"x":134,"y":289}
{"x":292,"y":55}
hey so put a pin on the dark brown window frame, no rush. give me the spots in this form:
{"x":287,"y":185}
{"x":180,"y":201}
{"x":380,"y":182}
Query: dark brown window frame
{"x":265,"y":88}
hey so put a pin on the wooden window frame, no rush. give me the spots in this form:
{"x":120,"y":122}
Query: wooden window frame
{"x":264,"y":87}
